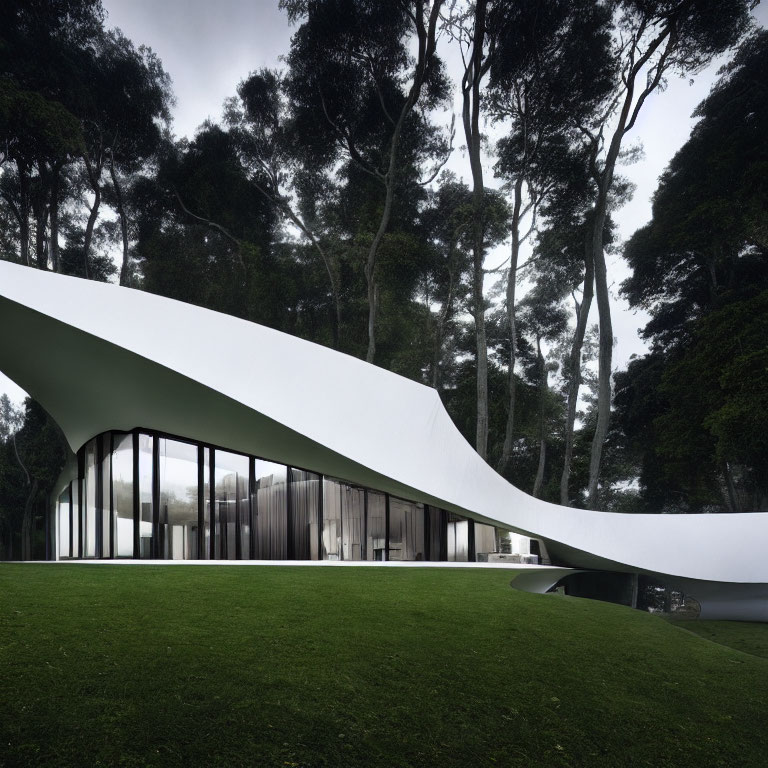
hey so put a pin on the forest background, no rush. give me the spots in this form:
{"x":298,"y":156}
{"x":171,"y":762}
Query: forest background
{"x":433,"y":187}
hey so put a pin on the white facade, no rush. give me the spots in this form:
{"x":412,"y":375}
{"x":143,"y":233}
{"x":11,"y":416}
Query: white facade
{"x":99,"y":357}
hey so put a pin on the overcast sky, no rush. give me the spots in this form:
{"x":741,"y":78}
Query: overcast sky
{"x":207,"y":48}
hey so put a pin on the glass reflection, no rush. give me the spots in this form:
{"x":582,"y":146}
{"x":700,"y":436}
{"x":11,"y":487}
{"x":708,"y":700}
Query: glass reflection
{"x":485,"y":539}
{"x":270,"y":511}
{"x":458,"y":539}
{"x":244,"y":510}
{"x":207,"y":504}
{"x":435,"y":536}
{"x":178,"y":529}
{"x":106,"y":485}
{"x":65,"y":545}
{"x":145,"y":496}
{"x":89,"y":531}
{"x":122,"y":495}
{"x":406,"y":530}
{"x":343,"y":520}
{"x":376,"y":526}
{"x":305,"y":501}
{"x":232,"y":507}
{"x":76,"y":514}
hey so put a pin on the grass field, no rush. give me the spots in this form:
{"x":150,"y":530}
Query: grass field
{"x":209,"y":666}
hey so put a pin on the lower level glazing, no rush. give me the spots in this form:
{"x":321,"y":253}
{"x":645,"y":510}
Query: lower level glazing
{"x":147,"y":495}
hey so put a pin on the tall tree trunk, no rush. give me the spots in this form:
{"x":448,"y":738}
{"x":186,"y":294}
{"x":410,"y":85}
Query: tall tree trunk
{"x":40,"y":211}
{"x":23,"y":212}
{"x":370,"y":262}
{"x":605,"y":181}
{"x":506,"y":451}
{"x":471,"y":118}
{"x":126,"y":265}
{"x":543,"y":389}
{"x":94,"y":175}
{"x":575,"y":361}
{"x":731,"y":497}
{"x":424,"y":61}
{"x":442,"y":320}
{"x":54,"y":206}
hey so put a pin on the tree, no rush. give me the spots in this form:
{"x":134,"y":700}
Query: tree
{"x":348,"y":63}
{"x":655,"y":38}
{"x":693,"y":406}
{"x":541,"y":85}
{"x":262,"y":122}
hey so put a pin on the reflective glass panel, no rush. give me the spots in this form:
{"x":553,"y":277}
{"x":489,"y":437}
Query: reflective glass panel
{"x":232,"y":508}
{"x":145,"y":496}
{"x":436,"y":534}
{"x":270,"y":511}
{"x":64,"y":511}
{"x":76,"y":543}
{"x":122,"y":495}
{"x":305,"y":499}
{"x":106,"y":485}
{"x":89,"y":532}
{"x":353,"y":518}
{"x":343,"y":520}
{"x":485,"y":539}
{"x":332,"y":492}
{"x":458,"y":538}
{"x":178,"y":530}
{"x":207,"y":504}
{"x":406,"y":530}
{"x":376,"y":526}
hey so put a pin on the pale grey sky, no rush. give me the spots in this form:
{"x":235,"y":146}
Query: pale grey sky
{"x":207,"y":48}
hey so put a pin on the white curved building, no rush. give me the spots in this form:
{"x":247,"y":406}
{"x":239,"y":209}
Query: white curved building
{"x":168,"y":406}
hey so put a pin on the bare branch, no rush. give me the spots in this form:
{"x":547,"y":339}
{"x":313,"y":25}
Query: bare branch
{"x":212,"y":225}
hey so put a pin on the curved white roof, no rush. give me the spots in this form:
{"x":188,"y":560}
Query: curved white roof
{"x":101,"y":357}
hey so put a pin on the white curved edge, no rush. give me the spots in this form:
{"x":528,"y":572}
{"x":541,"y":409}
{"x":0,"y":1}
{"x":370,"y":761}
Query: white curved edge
{"x":101,"y":357}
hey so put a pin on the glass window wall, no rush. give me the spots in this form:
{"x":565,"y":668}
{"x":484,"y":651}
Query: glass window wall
{"x":406,"y":530}
{"x":485,"y":539}
{"x":145,"y":496}
{"x":76,"y":514}
{"x":305,"y":502}
{"x":343,"y":521}
{"x":206,"y":503}
{"x":106,"y":486}
{"x":248,"y":509}
{"x":122,"y":495}
{"x":178,"y":528}
{"x":270,"y":511}
{"x":232,"y":505}
{"x":435,"y":536}
{"x":89,"y":530}
{"x":376,"y":526}
{"x":458,"y":539}
{"x":64,"y":511}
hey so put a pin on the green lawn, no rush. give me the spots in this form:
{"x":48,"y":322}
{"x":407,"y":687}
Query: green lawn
{"x":748,"y":636}
{"x":209,"y":666}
